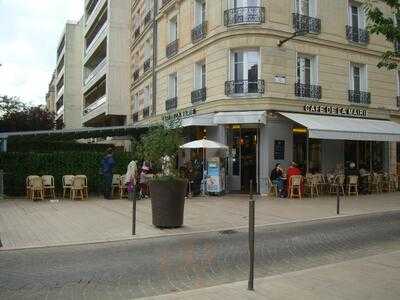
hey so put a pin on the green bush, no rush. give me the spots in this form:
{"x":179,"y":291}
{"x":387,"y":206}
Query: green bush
{"x":18,"y":166}
{"x":51,"y":146}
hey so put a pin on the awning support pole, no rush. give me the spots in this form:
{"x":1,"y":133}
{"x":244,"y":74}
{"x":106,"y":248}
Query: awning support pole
{"x":370,"y":156}
{"x":308,"y":154}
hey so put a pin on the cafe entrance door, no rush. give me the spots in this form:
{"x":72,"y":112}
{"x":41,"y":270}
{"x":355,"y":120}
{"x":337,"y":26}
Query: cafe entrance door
{"x":243,"y":158}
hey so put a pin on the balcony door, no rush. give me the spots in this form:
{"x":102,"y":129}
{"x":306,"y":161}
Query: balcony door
{"x":245,"y":70}
{"x":306,"y":7}
{"x":199,"y":12}
{"x":244,"y":3}
{"x":356,"y":16}
{"x":306,"y":70}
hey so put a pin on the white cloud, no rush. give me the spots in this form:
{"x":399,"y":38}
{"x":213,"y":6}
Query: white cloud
{"x":28,"y":44}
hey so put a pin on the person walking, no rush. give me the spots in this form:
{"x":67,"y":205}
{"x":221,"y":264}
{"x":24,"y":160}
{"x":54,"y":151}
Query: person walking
{"x":107,"y":166}
{"x":131,"y":175}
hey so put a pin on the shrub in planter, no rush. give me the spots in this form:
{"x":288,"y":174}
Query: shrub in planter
{"x":167,"y":189}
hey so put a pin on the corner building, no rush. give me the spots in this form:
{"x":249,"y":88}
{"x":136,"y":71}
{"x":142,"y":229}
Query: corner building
{"x":277,"y":81}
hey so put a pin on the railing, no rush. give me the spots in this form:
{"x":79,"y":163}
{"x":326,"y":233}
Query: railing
{"x":59,"y":103}
{"x":92,"y":15}
{"x":60,"y":91}
{"x":147,"y":18}
{"x":137,"y":32}
{"x":96,"y":70}
{"x":199,"y":95}
{"x":172,"y":49}
{"x":303,"y":23}
{"x":165,"y":2}
{"x":244,"y":15}
{"x":359,"y":97}
{"x":93,"y":42}
{"x":135,"y":117}
{"x":357,"y":35}
{"x":171,"y":103}
{"x":307,"y":90}
{"x":91,"y":107}
{"x":398,"y":101}
{"x":199,"y":32}
{"x":60,"y":112}
{"x":136,"y":75}
{"x":147,"y":65}
{"x":244,"y":87}
{"x":146,"y":112}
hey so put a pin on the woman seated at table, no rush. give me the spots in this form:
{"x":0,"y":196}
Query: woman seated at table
{"x":278,"y":179}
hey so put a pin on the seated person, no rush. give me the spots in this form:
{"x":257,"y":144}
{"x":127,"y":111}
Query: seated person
{"x":277,"y":179}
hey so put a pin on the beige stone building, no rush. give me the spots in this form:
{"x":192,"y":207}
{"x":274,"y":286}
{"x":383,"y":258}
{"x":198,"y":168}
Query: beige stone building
{"x":69,"y":77}
{"x":276,"y":81}
{"x":106,"y":71}
{"x":51,"y":95}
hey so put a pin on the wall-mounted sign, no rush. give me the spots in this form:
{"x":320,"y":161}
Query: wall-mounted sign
{"x":174,"y":120}
{"x":336,"y":110}
{"x":279,"y":150}
{"x":280,"y":79}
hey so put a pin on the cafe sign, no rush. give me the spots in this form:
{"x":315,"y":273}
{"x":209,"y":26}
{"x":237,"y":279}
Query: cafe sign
{"x":174,"y":120}
{"x":336,"y":110}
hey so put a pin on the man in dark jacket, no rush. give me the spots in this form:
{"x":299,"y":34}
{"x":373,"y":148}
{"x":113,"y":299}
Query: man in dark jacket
{"x":107,"y":165}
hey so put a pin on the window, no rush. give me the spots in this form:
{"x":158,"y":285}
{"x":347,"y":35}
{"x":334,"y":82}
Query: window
{"x":199,"y":12}
{"x":306,"y":7}
{"x":244,"y":3}
{"x":147,"y":96}
{"x":358,"y":77}
{"x":244,"y":70}
{"x":173,"y":29}
{"x":306,"y":70}
{"x":200,"y":75}
{"x":172,"y":86}
{"x":135,"y":102}
{"x":147,"y":49}
{"x":356,"y":15}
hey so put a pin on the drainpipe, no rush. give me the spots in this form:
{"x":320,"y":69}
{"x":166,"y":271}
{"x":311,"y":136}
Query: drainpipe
{"x":155,"y":44}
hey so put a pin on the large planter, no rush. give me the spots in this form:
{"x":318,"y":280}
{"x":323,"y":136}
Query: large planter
{"x":168,"y":202}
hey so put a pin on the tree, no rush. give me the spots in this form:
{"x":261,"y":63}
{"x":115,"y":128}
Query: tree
{"x":17,"y":116}
{"x":387,"y":25}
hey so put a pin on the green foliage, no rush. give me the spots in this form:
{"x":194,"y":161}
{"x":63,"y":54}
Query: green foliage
{"x":18,"y":166}
{"x":157,"y":143}
{"x":384,"y":24}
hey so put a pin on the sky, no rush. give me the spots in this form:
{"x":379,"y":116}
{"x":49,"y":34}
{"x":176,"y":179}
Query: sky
{"x":29,"y":33}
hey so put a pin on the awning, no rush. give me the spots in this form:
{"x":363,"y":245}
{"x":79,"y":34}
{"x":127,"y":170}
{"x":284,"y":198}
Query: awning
{"x":222,"y":118}
{"x":338,"y":128}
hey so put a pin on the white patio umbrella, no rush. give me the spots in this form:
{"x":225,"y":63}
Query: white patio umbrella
{"x":204,"y":144}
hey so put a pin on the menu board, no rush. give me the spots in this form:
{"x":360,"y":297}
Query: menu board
{"x":279,"y":150}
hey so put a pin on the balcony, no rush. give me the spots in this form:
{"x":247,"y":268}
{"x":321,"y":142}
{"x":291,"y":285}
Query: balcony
{"x":60,"y":91}
{"x":171,"y":103}
{"x":146,"y":112}
{"x":357,"y":35}
{"x":91,"y":107}
{"x":244,"y":15}
{"x":137,"y":33}
{"x":60,"y":112}
{"x":97,"y":70}
{"x":359,"y":97}
{"x":199,"y":95}
{"x":199,"y":32}
{"x":147,"y":65}
{"x":92,"y":7}
{"x":96,"y":38}
{"x":308,"y":91}
{"x":172,"y":49}
{"x":240,"y":87}
{"x":147,"y":18}
{"x":136,"y":75}
{"x":302,"y":23}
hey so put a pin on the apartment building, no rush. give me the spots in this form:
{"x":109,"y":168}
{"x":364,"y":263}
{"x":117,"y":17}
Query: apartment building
{"x":276,"y":81}
{"x":106,"y":60}
{"x":51,"y":95}
{"x":69,"y":77}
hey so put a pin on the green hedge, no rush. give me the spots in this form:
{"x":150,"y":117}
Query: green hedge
{"x":52,"y":146}
{"x":18,"y":166}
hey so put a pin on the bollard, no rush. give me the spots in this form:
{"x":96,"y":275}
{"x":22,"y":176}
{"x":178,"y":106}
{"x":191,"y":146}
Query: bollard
{"x":250,"y":286}
{"x":132,"y":197}
{"x":1,"y":184}
{"x":337,"y":200}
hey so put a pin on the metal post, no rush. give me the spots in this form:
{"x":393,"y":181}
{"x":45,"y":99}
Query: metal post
{"x":337,"y":200}
{"x":132,"y":197}
{"x":308,"y":155}
{"x":250,"y":286}
{"x":1,"y":184}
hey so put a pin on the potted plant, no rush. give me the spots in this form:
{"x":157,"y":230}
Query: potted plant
{"x":167,"y":190}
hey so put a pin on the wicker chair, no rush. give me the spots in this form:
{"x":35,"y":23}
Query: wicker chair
{"x":28,"y":185}
{"x":77,"y":188}
{"x":311,"y":185}
{"x":85,"y":185}
{"x":272,"y":188}
{"x":352,"y":186}
{"x":337,"y":183}
{"x":295,"y":186}
{"x":48,"y":185}
{"x":67,"y":181}
{"x":115,"y":185}
{"x":123,"y":187}
{"x":36,"y":188}
{"x":376,"y":183}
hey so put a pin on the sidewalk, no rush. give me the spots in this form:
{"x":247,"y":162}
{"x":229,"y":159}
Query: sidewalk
{"x":24,"y":223}
{"x":374,"y":277}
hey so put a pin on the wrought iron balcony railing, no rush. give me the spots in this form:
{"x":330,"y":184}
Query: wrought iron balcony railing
{"x":307,"y":90}
{"x":199,"y":32}
{"x":244,"y":15}
{"x":146,"y":112}
{"x":359,"y":97}
{"x":137,"y":32}
{"x":171,"y":103}
{"x":147,"y":18}
{"x":172,"y":49}
{"x":146,"y":65}
{"x":357,"y":35}
{"x":136,"y":75}
{"x":306,"y":24}
{"x":199,"y":95}
{"x":244,"y":87}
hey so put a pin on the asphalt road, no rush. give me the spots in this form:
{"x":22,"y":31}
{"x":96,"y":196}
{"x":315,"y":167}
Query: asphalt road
{"x":145,"y":267}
